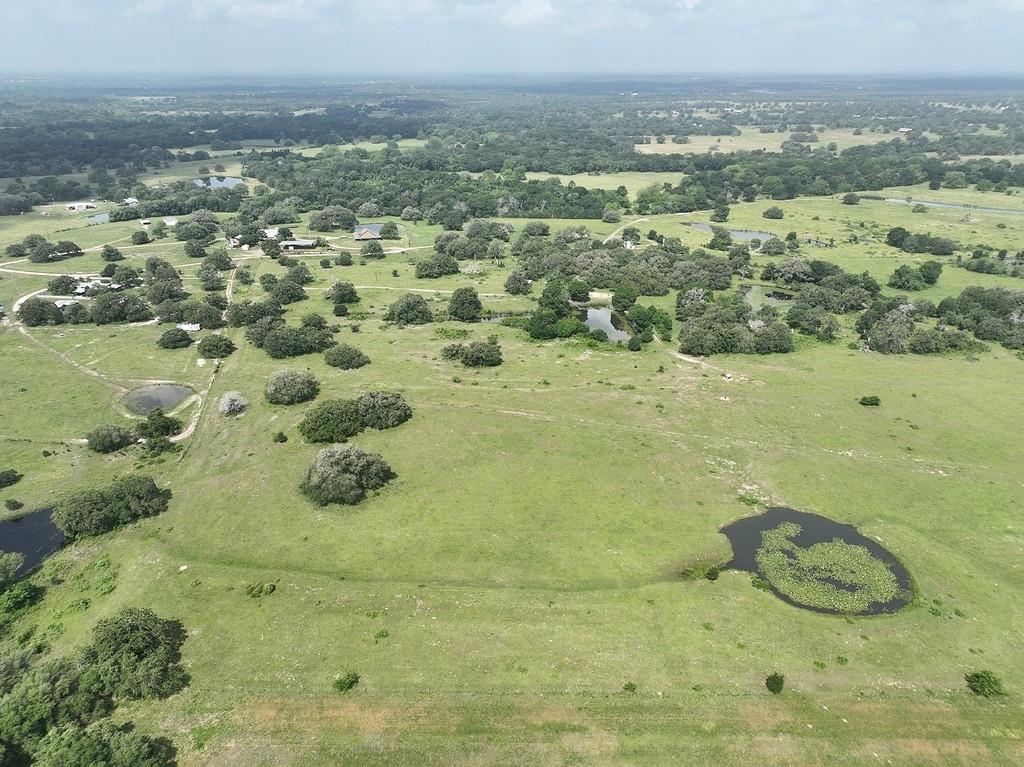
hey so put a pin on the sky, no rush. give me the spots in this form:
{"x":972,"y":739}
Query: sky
{"x":410,"y":37}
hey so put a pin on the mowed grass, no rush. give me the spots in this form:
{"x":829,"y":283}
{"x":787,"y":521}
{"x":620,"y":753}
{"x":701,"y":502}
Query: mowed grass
{"x":525,"y":562}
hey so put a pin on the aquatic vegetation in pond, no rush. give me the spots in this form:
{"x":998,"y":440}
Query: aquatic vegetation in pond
{"x":832,"y":575}
{"x":817,"y":564}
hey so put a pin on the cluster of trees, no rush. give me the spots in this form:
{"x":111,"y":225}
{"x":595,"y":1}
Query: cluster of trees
{"x":988,"y":260}
{"x":39,"y":250}
{"x":98,"y":510}
{"x":899,"y":237}
{"x":907,"y":277}
{"x":339,"y":420}
{"x":728,"y":325}
{"x":54,"y":712}
{"x":893,"y":326}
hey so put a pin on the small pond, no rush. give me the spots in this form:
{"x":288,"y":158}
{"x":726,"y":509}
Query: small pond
{"x":746,"y":235}
{"x":611,"y":322}
{"x":98,"y":218}
{"x":34,"y":536}
{"x":816,"y":564}
{"x":164,"y":396}
{"x":218,"y":182}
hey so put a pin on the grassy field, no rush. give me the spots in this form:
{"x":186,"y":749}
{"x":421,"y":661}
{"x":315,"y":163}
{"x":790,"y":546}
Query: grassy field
{"x":751,"y":139}
{"x":633,"y":181}
{"x":525,"y":562}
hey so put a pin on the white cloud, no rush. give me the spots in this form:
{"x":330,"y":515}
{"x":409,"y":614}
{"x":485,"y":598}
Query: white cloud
{"x":524,"y":13}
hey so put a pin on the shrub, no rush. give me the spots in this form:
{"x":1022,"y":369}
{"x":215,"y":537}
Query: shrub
{"x":91,"y":512}
{"x":158,"y":425}
{"x":482,"y":353}
{"x":870,"y":401}
{"x":331,"y":421}
{"x":345,"y":357}
{"x":289,"y":387}
{"x":344,"y":474}
{"x":12,"y":504}
{"x":280,"y":437}
{"x":634,"y":344}
{"x":410,"y":309}
{"x":774,"y":212}
{"x":139,"y":237}
{"x":232,"y":403}
{"x":175,"y":338}
{"x":775,"y":682}
{"x":8,"y":477}
{"x":629,"y":687}
{"x":984,"y":683}
{"x":215,"y":347}
{"x":106,"y":438}
{"x":851,"y":199}
{"x":342,"y":293}
{"x":346,"y":681}
{"x":383,"y":410}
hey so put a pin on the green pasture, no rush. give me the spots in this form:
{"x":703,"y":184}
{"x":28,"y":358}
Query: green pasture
{"x":525,"y":563}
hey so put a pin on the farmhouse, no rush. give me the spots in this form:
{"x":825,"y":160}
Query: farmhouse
{"x":270,"y":232}
{"x":365,"y":232}
{"x":130,"y":201}
{"x":297,"y":244}
{"x":78,"y":207}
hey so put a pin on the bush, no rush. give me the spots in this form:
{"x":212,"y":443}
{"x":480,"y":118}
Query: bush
{"x":851,"y":199}
{"x":232,"y":403}
{"x":774,"y":212}
{"x":91,"y":512}
{"x":775,"y":682}
{"x":139,"y":237}
{"x":870,"y":401}
{"x":341,"y":310}
{"x":280,"y":438}
{"x":158,"y":425}
{"x":984,"y":683}
{"x":289,"y":387}
{"x":383,"y":410}
{"x":215,"y":347}
{"x":106,"y":438}
{"x":12,"y":504}
{"x":9,"y":477}
{"x":482,"y":353}
{"x":634,"y":344}
{"x":331,"y":421}
{"x":345,"y":357}
{"x":410,"y":309}
{"x":629,"y":687}
{"x":175,"y":338}
{"x":346,"y":681}
{"x":136,"y":654}
{"x":344,"y":474}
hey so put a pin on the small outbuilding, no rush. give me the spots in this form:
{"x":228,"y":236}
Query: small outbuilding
{"x":297,"y":244}
{"x":78,"y":207}
{"x":189,"y":327}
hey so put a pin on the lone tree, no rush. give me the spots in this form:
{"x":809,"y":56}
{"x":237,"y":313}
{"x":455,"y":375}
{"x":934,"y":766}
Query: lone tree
{"x":517,"y":283}
{"x":383,"y":410}
{"x":333,"y":420}
{"x":107,"y":437}
{"x":289,"y":387}
{"x":345,"y":357}
{"x":135,"y":652}
{"x":775,"y":682}
{"x":851,"y":199}
{"x":372,"y":249}
{"x":175,"y":338}
{"x":232,"y":403}
{"x":344,"y":474}
{"x":215,"y":347}
{"x":465,"y":305}
{"x":410,"y":309}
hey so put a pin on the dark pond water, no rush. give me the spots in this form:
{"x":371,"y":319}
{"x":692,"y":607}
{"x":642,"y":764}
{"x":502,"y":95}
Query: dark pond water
{"x":746,"y":536}
{"x":164,"y":396}
{"x":218,"y":182}
{"x":609,"y":321}
{"x":98,"y":218}
{"x":746,"y":235}
{"x":34,"y":536}
{"x":955,"y":206}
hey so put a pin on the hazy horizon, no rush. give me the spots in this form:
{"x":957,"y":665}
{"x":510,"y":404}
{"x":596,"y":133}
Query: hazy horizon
{"x":519,"y":37}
